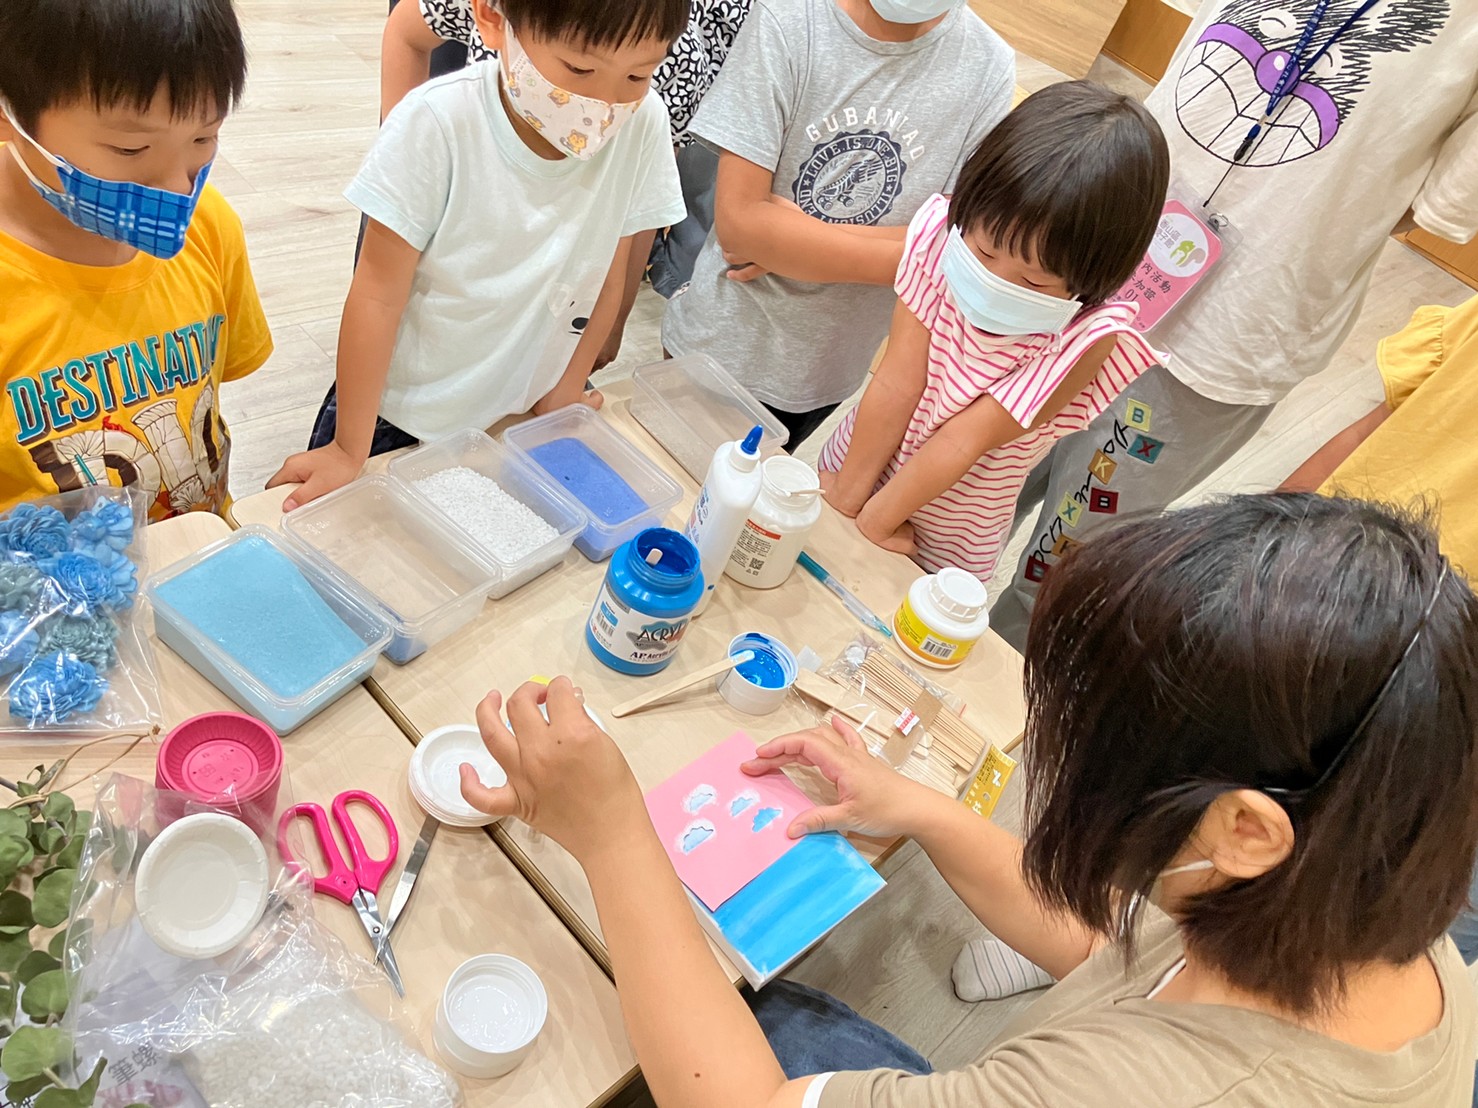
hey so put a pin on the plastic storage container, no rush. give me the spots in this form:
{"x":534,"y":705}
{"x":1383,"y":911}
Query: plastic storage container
{"x":478,"y":452}
{"x":282,"y":710}
{"x":422,"y":572}
{"x":692,"y":407}
{"x":619,"y":489}
{"x":491,"y":1011}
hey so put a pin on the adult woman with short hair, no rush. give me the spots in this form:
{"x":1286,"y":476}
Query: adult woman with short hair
{"x":1253,"y":737}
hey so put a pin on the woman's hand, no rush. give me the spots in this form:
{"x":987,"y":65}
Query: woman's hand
{"x":872,"y":797}
{"x":566,"y":778}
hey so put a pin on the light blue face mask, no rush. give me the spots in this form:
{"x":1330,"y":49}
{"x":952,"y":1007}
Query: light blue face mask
{"x":993,"y":303}
{"x":150,"y":219}
{"x":913,"y":11}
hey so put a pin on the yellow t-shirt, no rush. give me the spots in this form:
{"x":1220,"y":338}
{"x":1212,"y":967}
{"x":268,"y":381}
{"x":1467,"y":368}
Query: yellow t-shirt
{"x":1427,"y":448}
{"x":113,"y":374}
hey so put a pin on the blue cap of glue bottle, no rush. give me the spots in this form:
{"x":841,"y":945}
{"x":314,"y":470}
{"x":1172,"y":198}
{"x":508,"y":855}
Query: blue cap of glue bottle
{"x":646,"y":602}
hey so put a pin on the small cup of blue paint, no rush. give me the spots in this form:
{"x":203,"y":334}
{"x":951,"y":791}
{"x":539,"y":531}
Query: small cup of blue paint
{"x":760,"y":685}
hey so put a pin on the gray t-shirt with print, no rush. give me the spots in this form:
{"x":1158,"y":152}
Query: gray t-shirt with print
{"x":856,"y":131}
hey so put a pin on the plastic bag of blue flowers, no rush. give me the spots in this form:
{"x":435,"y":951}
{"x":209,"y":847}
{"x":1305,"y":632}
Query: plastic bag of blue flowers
{"x":74,"y":653}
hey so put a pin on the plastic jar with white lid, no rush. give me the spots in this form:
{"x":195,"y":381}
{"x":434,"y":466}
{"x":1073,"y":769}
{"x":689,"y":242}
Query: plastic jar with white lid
{"x":942,"y":618}
{"x":779,"y":524}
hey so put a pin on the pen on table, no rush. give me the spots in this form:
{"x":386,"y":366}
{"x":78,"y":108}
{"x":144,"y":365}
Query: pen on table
{"x":845,"y":595}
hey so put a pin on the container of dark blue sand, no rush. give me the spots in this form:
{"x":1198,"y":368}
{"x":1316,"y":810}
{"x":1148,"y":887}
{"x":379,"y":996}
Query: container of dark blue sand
{"x":621,"y":491}
{"x":645,"y":602}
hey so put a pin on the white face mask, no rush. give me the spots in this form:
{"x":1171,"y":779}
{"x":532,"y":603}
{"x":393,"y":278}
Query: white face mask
{"x":1204,"y":863}
{"x":913,"y":11}
{"x":993,"y":303}
{"x":579,"y":125}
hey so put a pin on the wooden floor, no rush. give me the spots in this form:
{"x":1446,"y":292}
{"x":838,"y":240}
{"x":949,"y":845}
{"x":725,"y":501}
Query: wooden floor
{"x":310,"y":115}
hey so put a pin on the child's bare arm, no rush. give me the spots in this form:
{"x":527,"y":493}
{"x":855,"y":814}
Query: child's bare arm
{"x":376,"y":301}
{"x":958,"y":445}
{"x":884,"y":413}
{"x":1320,"y":465}
{"x":405,"y":54}
{"x":571,"y":386}
{"x":782,"y":239}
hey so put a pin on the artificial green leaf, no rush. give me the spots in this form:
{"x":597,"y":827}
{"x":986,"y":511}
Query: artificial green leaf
{"x":71,"y":854}
{"x":58,"y":806}
{"x":13,"y":823}
{"x":34,"y":964}
{"x":14,"y":853}
{"x":45,"y":996}
{"x":24,"y":789}
{"x":13,"y":950}
{"x":51,"y":902}
{"x":57,"y":945}
{"x":63,"y":1098}
{"x":20,"y":1091}
{"x":7,"y":1009}
{"x":31,"y":1051}
{"x":15,"y":914}
{"x":48,"y":839}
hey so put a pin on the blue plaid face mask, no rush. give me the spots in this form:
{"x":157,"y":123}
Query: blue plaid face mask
{"x":150,"y":219}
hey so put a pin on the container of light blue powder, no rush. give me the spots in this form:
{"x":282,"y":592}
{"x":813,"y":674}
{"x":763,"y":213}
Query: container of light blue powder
{"x":759,"y":685}
{"x":645,"y":602}
{"x":280,"y":635}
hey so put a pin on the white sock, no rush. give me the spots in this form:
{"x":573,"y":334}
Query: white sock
{"x":988,"y":969}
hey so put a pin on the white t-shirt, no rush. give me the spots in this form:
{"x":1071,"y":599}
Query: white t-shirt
{"x":1388,"y":120}
{"x":515,"y":248}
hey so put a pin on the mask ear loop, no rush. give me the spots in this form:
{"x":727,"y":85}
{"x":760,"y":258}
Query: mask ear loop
{"x":59,"y":163}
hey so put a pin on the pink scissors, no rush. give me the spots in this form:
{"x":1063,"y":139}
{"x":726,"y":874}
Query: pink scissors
{"x":356,"y":886}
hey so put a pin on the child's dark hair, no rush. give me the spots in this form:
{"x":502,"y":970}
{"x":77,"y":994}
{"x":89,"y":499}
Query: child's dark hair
{"x":120,"y":52}
{"x":1316,"y":649}
{"x":1074,"y":177}
{"x":598,"y":22}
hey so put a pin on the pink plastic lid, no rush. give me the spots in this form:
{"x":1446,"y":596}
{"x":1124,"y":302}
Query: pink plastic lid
{"x":218,"y":754}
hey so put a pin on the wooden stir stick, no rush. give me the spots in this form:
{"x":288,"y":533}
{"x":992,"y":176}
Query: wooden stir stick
{"x":646,"y":700}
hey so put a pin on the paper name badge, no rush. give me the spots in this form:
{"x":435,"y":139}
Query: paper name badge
{"x":1183,"y":251}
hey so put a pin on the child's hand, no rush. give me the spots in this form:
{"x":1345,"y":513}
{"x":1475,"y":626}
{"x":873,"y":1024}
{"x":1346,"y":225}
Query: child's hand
{"x":742,"y":269}
{"x":317,"y":472}
{"x":833,"y":495}
{"x":558,"y":399}
{"x":900,"y":540}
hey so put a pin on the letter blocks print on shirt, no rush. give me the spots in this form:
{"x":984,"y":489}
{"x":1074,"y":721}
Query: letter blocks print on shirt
{"x":1145,"y":449}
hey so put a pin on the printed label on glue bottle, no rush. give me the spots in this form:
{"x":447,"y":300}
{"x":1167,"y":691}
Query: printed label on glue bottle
{"x":917,"y":637}
{"x":634,"y":636}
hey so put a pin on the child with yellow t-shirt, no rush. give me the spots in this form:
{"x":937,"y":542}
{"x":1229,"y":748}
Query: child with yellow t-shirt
{"x":127,"y":296}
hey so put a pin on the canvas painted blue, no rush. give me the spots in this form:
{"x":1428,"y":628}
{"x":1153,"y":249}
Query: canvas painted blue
{"x":791,"y":905}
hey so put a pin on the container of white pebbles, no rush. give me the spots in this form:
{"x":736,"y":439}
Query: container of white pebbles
{"x":522,"y":522}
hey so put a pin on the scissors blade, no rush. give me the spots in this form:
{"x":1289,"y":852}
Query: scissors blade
{"x":408,"y":875}
{"x":369,"y":917}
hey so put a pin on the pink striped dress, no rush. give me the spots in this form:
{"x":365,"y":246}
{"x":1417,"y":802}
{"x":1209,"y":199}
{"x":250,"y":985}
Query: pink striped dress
{"x":968,"y":525}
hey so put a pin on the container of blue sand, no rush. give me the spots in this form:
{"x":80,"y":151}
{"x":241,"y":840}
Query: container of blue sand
{"x":275,"y":633}
{"x":623,"y":492}
{"x":760,"y":685}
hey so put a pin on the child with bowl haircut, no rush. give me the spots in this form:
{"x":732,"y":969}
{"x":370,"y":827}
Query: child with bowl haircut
{"x":126,"y":298}
{"x":502,"y":201}
{"x":1004,"y":338}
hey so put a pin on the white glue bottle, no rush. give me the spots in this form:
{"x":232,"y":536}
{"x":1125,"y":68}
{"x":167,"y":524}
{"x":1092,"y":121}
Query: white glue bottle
{"x":729,"y":492}
{"x":788,"y":507}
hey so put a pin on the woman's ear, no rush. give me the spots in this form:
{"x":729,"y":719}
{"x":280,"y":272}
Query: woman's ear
{"x":491,"y":23}
{"x":1245,"y":833}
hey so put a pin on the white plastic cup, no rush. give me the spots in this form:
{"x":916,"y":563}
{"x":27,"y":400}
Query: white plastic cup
{"x":749,"y":696}
{"x":491,"y":1011}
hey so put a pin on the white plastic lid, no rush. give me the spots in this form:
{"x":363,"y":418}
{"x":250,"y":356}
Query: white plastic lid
{"x":787,"y":477}
{"x":957,"y":593}
{"x":202,"y":885}
{"x":491,"y":1011}
{"x":436,"y":773}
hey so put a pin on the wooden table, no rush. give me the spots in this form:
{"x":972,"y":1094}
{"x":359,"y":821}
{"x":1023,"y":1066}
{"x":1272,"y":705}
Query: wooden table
{"x":539,"y":629}
{"x":469,"y":899}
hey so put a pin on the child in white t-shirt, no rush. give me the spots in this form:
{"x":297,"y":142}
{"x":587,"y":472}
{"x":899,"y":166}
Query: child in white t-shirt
{"x":502,"y":201}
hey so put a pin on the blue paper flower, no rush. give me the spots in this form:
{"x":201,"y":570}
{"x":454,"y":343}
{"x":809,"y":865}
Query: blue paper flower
{"x":18,"y":641}
{"x":35,"y":531}
{"x":85,"y":584}
{"x":53,"y":687}
{"x":93,"y":640}
{"x":109,"y":525}
{"x":20,"y":583}
{"x":123,"y":575}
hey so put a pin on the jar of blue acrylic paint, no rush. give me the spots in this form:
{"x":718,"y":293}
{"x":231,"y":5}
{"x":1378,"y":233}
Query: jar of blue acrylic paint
{"x":646,"y":602}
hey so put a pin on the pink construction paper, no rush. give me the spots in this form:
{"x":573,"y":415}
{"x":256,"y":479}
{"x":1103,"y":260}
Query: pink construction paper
{"x":732,"y":825}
